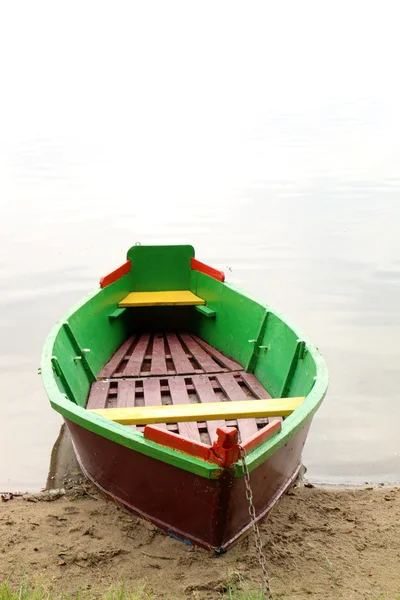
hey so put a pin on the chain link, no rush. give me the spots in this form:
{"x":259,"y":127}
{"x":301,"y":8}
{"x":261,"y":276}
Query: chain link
{"x":252,"y":512}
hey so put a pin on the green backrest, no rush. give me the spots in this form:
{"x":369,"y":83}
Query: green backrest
{"x":159,"y":268}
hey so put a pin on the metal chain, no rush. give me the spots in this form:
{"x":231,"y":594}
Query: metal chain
{"x":252,"y":512}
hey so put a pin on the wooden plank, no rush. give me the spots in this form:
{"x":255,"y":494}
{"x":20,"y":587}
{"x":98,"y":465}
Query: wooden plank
{"x":258,"y":390}
{"x":212,"y":411}
{"x":179,"y":395}
{"x":170,"y":298}
{"x":206,"y":311}
{"x":118,"y":312}
{"x":152,"y":399}
{"x":257,"y":343}
{"x":262,"y":435}
{"x":109,"y":368}
{"x":64,"y":381}
{"x":196,"y":265}
{"x":247,"y":427}
{"x":173,"y":440}
{"x":115,"y":275}
{"x":126,"y":394}
{"x":297,"y":356}
{"x":158,"y":364}
{"x":181,"y":362}
{"x":202,"y":427}
{"x":227,"y":362}
{"x":98,"y":395}
{"x":254,"y":385}
{"x":206,"y":394}
{"x":80,"y":353}
{"x":135,"y":362}
{"x":205,"y":361}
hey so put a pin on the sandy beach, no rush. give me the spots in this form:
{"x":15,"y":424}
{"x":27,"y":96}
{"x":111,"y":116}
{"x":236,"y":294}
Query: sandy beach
{"x":326,"y":543}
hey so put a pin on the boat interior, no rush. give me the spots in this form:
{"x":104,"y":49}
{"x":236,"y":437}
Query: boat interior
{"x":165,"y":329}
{"x":152,"y":369}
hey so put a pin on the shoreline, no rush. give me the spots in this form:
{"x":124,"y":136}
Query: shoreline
{"x":78,"y":482}
{"x":319,"y":542}
{"x":76,"y":479}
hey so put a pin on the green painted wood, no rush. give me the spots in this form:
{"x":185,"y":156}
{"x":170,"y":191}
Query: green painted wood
{"x":90,"y":323}
{"x":298,"y":355}
{"x":160,"y":268}
{"x":81,"y":352}
{"x":272,"y":367}
{"x":206,"y":311}
{"x":89,"y":320}
{"x":239,"y":317}
{"x":117,"y":313}
{"x":304,"y":376}
{"x":74,"y":377}
{"x":258,"y":345}
{"x":59,"y":372}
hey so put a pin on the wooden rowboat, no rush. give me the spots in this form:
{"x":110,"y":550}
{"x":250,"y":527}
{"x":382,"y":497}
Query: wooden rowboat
{"x":166,"y":376}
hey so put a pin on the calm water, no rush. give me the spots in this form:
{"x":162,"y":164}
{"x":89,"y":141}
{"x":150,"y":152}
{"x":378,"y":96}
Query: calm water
{"x":267,"y":139}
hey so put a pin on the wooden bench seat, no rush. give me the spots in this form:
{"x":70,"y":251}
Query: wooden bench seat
{"x":168,"y":298}
{"x":171,"y":413}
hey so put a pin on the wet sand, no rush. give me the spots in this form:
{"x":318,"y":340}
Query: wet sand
{"x":326,"y":543}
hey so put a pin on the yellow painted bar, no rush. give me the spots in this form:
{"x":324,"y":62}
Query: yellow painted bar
{"x":173,"y":298}
{"x":171,"y":413}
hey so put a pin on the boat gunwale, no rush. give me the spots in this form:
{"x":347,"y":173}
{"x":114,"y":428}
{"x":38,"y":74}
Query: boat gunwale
{"x":136,"y":441}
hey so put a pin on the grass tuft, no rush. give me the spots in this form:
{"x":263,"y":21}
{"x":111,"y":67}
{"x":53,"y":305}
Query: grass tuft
{"x":240,"y":589}
{"x":30,"y":591}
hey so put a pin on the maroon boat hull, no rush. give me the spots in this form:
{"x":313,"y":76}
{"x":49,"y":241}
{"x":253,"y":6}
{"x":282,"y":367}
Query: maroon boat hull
{"x":206,"y":512}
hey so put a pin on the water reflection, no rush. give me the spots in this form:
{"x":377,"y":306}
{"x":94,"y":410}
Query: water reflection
{"x":64,"y":469}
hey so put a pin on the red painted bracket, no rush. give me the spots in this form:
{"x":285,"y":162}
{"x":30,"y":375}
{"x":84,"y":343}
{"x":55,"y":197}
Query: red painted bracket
{"x":266,"y":432}
{"x":115,"y":275}
{"x":178,"y":442}
{"x":225,"y":451}
{"x":226,"y":447}
{"x":196,"y":265}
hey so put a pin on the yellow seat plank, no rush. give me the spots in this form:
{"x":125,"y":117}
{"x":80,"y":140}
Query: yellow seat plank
{"x":169,"y":298}
{"x":171,"y":413}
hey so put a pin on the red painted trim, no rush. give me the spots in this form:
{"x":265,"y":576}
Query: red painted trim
{"x":225,"y":450}
{"x":262,"y":435}
{"x":196,"y":265}
{"x":178,"y":442}
{"x":117,"y":274}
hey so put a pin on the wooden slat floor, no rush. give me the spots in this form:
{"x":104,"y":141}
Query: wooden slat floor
{"x":176,"y":368}
{"x":146,"y":355}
